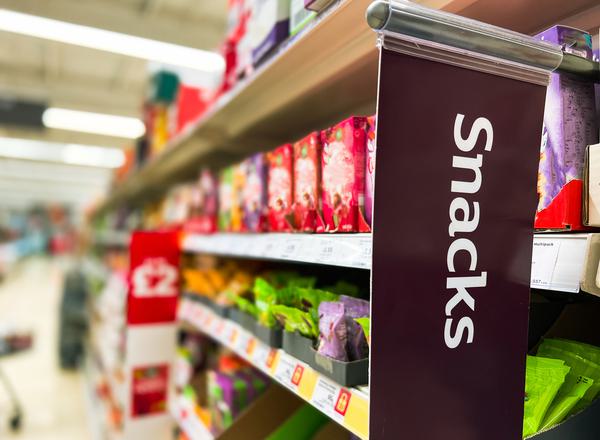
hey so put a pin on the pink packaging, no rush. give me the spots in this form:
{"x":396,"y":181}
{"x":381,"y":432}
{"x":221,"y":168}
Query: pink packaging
{"x":370,"y":170}
{"x":280,"y":187}
{"x":343,"y":168}
{"x":307,"y":181}
{"x":204,"y":204}
{"x":254,"y":193}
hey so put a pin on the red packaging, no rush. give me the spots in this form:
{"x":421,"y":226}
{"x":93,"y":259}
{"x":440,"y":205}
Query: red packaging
{"x":280,"y":187}
{"x":307,"y":180}
{"x":343,"y":167}
{"x":191,"y":104}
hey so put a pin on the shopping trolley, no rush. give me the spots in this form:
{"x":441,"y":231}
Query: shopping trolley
{"x":12,"y":343}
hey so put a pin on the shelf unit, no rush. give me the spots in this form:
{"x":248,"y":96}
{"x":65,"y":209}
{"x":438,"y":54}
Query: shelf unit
{"x":325,"y":73}
{"x":111,"y":238}
{"x":314,"y":79}
{"x":319,"y":391}
{"x":183,"y":411}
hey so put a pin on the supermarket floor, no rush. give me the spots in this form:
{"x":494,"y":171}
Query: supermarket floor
{"x":54,"y":401}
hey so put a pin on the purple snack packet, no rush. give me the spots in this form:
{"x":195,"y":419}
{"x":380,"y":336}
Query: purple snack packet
{"x":355,"y":307}
{"x":254,"y":194}
{"x":356,"y":346}
{"x":333,"y":335}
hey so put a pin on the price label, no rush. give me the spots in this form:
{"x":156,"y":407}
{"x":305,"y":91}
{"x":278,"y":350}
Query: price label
{"x":250,"y":347}
{"x":233,"y":336}
{"x":261,"y":355}
{"x":290,"y":249}
{"x":325,"y":396}
{"x":543,"y":262}
{"x":330,"y":398}
{"x":365,"y":250}
{"x":325,"y":251}
{"x":269,"y":249}
{"x":286,"y":372}
{"x":242,"y":343}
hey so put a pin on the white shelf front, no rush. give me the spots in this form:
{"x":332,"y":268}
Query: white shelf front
{"x":346,"y":250}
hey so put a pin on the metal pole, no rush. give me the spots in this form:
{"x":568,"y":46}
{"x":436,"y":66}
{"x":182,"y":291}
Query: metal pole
{"x":407,"y":18}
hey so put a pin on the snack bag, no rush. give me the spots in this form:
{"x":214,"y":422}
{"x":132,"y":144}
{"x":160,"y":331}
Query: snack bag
{"x":203,"y":204}
{"x":370,"y":170}
{"x":265,"y":297}
{"x":365,"y":323}
{"x":245,"y":305}
{"x":295,"y":320}
{"x":587,"y":351}
{"x":237,"y":188}
{"x":566,"y":399}
{"x":579,"y":367}
{"x":357,"y":345}
{"x":333,"y":335}
{"x":343,"y":168}
{"x":280,"y":188}
{"x":254,"y":193}
{"x":225,"y":198}
{"x":307,"y":181}
{"x":543,"y":379}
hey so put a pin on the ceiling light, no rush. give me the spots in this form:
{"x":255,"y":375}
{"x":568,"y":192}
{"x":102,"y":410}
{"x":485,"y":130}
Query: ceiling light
{"x":109,"y":41}
{"x":97,"y":123}
{"x":72,"y":154}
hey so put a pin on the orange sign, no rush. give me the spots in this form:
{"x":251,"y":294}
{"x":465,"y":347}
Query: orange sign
{"x":271,"y":358}
{"x":343,"y":401}
{"x":297,"y":376}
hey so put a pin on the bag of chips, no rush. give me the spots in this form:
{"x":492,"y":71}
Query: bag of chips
{"x":295,"y":320}
{"x":333,"y":335}
{"x":543,"y":379}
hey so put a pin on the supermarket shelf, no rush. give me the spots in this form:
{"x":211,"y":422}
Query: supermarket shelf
{"x":347,"y":250}
{"x":326,"y":72}
{"x":319,"y":391}
{"x":111,"y":238}
{"x":182,"y":410}
{"x":566,"y":262}
{"x":525,"y":16}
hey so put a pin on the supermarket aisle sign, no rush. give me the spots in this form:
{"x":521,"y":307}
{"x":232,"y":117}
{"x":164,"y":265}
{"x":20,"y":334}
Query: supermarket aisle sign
{"x":154,"y":278}
{"x":452,"y":249}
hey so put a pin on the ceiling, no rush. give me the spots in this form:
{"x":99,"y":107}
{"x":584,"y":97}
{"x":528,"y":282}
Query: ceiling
{"x":73,"y":77}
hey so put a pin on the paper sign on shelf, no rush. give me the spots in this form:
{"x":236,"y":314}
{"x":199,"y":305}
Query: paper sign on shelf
{"x":149,"y":390}
{"x":154,"y":278}
{"x":287,"y":371}
{"x":543,"y":262}
{"x":330,"y":398}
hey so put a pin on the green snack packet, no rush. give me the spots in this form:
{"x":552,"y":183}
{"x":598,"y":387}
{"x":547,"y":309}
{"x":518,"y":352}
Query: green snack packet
{"x":365,"y":323}
{"x":543,"y":379}
{"x":308,"y":299}
{"x":587,"y":351}
{"x":246,"y":305}
{"x":579,"y":367}
{"x":265,"y":296}
{"x":565,"y":401}
{"x":293,"y":320}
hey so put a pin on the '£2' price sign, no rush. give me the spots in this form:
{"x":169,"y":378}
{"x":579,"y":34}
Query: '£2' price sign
{"x":155,"y":278}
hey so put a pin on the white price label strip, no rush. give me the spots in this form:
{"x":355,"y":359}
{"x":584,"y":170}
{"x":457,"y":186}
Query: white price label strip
{"x":261,"y":355}
{"x":285,"y":371}
{"x":545,"y":255}
{"x":330,"y":398}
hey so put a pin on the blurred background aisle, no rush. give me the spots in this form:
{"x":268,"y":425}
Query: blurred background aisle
{"x":53,"y":400}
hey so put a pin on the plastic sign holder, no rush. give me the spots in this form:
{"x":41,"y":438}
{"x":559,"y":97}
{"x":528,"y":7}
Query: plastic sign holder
{"x":151,"y":334}
{"x":460,"y":108}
